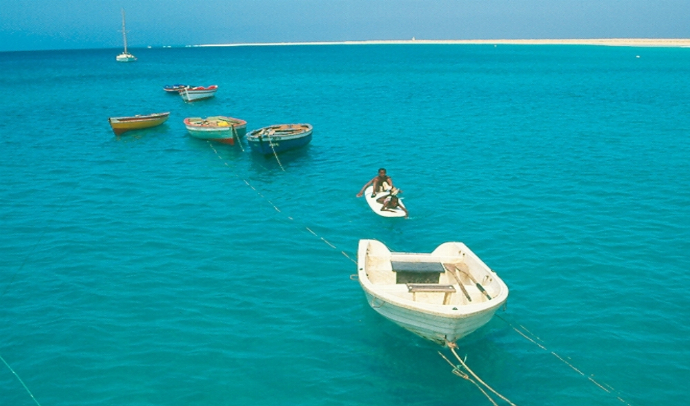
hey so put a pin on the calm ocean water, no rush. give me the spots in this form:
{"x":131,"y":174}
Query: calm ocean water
{"x":142,"y":270}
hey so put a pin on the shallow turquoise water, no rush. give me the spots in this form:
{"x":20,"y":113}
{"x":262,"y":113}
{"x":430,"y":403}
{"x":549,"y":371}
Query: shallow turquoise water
{"x":142,"y":270}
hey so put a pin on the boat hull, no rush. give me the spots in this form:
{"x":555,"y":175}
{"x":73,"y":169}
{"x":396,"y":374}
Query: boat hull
{"x":223,"y":135}
{"x":442,"y":296}
{"x":125,"y":57}
{"x":191,"y":95}
{"x":174,"y":89}
{"x":271,"y":144}
{"x":121,"y":125}
{"x":434,"y":327}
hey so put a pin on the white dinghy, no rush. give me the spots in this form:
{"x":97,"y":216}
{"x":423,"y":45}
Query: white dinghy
{"x":442,"y":296}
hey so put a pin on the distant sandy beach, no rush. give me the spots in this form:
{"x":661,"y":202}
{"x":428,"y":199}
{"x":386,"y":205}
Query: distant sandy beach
{"x":618,"y":42}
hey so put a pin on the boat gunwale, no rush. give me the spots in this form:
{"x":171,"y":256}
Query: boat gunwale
{"x":235,"y":123}
{"x":135,"y":119}
{"x":438,"y":310}
{"x":298,"y":133}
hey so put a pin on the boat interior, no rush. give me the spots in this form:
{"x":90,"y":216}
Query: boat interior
{"x":455,"y":277}
{"x":216,"y":121}
{"x":201,"y":88}
{"x":283,"y":130}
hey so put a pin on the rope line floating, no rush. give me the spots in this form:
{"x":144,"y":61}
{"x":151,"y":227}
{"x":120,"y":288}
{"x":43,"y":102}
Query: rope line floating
{"x":246,"y":182}
{"x":270,"y":143}
{"x":610,"y":389}
{"x":458,"y":372}
{"x":20,"y":381}
{"x":452,"y":347}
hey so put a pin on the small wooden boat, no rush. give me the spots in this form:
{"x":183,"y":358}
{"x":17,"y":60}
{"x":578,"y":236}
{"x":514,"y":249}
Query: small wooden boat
{"x":190,"y":94}
{"x":123,"y":124}
{"x":442,"y":296}
{"x":219,"y":128}
{"x":279,"y":138}
{"x":174,"y":89}
{"x":125,"y":56}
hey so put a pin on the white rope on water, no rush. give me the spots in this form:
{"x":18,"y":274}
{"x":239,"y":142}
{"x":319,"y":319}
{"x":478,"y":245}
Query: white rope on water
{"x":607,"y":389}
{"x":246,"y":182}
{"x":20,"y":380}
{"x":276,"y":155}
{"x":458,"y":372}
{"x":452,"y":347}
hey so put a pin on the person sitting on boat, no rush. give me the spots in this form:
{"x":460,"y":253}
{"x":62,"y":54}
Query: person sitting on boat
{"x":380,"y":182}
{"x":391,"y":201}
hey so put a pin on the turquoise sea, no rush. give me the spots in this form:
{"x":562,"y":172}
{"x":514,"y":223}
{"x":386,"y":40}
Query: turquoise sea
{"x":157,"y":269}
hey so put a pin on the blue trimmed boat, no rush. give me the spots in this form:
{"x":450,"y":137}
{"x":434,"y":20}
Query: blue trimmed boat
{"x":279,"y":138}
{"x":175,"y":89}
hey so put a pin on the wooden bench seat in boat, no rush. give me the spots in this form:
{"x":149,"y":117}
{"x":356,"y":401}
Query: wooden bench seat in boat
{"x":430,"y":287}
{"x":400,"y":266}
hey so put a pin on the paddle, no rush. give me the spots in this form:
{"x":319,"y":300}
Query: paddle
{"x":477,"y":284}
{"x":462,"y":287}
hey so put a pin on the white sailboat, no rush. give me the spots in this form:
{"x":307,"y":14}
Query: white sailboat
{"x":125,"y":56}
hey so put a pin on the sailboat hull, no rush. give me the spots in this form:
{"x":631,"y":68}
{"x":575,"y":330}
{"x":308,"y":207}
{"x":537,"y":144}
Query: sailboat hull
{"x":125,"y":58}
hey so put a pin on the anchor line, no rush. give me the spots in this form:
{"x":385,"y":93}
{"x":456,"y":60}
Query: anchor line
{"x":20,"y":381}
{"x":456,"y":371}
{"x":452,"y":347}
{"x":239,"y":141}
{"x":270,"y":143}
{"x":290,"y":218}
{"x":526,"y":334}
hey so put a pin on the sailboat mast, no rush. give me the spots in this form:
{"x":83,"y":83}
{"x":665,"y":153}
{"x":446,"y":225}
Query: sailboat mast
{"x":124,"y":33}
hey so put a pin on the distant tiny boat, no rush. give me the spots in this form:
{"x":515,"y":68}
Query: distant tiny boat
{"x":443,"y":296}
{"x":174,"y":88}
{"x":218,"y":128}
{"x":125,"y":56}
{"x":123,"y":124}
{"x":198,"y":93}
{"x":279,"y":138}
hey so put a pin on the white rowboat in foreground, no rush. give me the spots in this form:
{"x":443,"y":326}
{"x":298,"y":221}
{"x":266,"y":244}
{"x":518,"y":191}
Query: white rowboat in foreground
{"x":442,"y":296}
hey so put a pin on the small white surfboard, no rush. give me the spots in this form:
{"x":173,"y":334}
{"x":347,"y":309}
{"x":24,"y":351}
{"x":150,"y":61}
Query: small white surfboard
{"x":376,"y":206}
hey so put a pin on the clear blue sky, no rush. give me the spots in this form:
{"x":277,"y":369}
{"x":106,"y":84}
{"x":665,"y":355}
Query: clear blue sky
{"x":69,"y":24}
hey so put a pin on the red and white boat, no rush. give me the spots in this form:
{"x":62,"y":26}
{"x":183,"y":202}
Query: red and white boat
{"x":218,"y":128}
{"x":198,"y":93}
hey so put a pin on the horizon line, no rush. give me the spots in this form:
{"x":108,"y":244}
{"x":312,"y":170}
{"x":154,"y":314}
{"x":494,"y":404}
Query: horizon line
{"x":642,"y":42}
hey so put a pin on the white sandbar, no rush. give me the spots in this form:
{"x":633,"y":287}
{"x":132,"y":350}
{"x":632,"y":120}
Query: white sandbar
{"x":622,"y":42}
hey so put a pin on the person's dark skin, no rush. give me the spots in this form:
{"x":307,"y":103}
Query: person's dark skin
{"x":377,"y":182}
{"x":392,"y":201}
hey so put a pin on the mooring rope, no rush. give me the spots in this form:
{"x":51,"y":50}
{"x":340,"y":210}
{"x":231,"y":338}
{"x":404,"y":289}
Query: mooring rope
{"x":275,"y":154}
{"x":526,"y":334}
{"x":20,"y":380}
{"x":291,"y":219}
{"x":239,"y":141}
{"x":452,"y":347}
{"x":458,"y":372}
